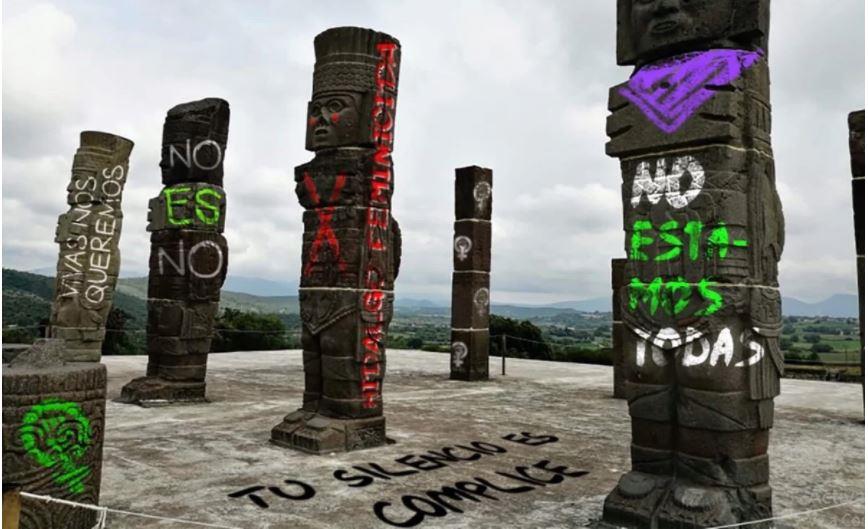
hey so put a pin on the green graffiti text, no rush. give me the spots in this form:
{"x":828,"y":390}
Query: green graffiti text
{"x":57,"y":434}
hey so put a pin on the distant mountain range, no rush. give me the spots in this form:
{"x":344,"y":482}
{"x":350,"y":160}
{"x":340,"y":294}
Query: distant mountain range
{"x":263,"y":295}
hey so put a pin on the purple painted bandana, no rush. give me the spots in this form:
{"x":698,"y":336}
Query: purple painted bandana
{"x":670,"y":92}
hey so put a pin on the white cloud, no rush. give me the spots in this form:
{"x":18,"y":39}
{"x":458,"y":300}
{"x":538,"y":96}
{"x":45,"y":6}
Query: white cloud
{"x":520,"y":87}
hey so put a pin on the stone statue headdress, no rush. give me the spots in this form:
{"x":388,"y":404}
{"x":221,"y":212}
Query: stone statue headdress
{"x":344,"y":85}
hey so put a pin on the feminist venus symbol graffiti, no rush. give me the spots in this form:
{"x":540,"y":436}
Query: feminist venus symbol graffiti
{"x":462,"y":246}
{"x":57,"y":435}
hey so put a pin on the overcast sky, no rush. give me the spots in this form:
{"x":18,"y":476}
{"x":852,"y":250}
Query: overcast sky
{"x":519,"y":87}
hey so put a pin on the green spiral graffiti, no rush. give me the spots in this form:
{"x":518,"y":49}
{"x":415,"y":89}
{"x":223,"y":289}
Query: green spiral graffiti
{"x":57,"y":435}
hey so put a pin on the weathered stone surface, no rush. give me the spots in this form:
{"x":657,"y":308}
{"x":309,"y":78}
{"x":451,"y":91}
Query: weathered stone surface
{"x":470,"y":300}
{"x":12,"y":350}
{"x":469,"y":357}
{"x":351,"y":246}
{"x":204,"y":453}
{"x":194,"y":142}
{"x":703,"y":234}
{"x":651,"y":30}
{"x":471,"y":245}
{"x":88,"y":234}
{"x":53,"y":423}
{"x":856,"y":123}
{"x":44,"y":353}
{"x":189,"y":255}
{"x":618,"y":274}
{"x":473,"y":193}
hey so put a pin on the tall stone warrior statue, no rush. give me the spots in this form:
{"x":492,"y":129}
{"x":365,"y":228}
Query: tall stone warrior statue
{"x":352,"y":245}
{"x":189,"y":256}
{"x":704,"y":234}
{"x":471,"y":257}
{"x":88,"y":234}
{"x":856,"y":123}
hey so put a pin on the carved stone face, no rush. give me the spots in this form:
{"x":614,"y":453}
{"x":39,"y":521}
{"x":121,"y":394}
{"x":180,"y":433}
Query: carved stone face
{"x":660,"y":25}
{"x":333,"y":120}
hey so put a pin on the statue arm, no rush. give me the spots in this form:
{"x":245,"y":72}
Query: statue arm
{"x":396,"y":245}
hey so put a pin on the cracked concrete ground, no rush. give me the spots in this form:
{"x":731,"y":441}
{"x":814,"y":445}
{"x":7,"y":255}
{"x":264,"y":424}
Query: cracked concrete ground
{"x":185,"y":461}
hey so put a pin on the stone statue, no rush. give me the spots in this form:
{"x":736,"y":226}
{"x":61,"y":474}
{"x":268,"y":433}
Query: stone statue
{"x":88,"y":234}
{"x":704,"y":233}
{"x":471,"y":258}
{"x":189,"y":256}
{"x":856,"y":122}
{"x":351,"y":247}
{"x":618,"y":390}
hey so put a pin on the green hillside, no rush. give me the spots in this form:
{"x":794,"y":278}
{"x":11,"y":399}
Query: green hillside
{"x":138,"y":287}
{"x":27,"y":300}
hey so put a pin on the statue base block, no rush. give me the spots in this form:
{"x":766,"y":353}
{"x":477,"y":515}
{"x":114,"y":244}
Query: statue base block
{"x":317,"y":434}
{"x":646,"y":500}
{"x":150,"y":392}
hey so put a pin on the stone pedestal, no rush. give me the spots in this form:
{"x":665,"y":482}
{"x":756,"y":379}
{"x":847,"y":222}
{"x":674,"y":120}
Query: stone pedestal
{"x":318,"y":434}
{"x":351,"y":247}
{"x":189,"y":256}
{"x":53,"y":424}
{"x":704,"y":232}
{"x":88,"y":235}
{"x":471,"y":257}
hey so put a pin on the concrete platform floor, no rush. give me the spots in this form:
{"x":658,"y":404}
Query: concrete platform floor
{"x":185,"y":461}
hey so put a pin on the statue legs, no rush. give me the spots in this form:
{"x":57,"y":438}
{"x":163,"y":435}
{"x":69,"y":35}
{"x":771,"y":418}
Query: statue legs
{"x":699,"y":439}
{"x":335,"y":415}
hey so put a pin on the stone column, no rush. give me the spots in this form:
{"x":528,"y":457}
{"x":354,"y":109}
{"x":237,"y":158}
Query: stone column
{"x":618,"y":266}
{"x":856,"y":122}
{"x":189,"y":256}
{"x":704,"y":234}
{"x":351,"y":246}
{"x":88,"y":234}
{"x":53,"y":424}
{"x":471,"y":258}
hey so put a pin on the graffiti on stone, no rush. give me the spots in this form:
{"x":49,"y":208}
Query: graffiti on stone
{"x":481,"y":301}
{"x":463,"y":245}
{"x":441,"y":501}
{"x":668,"y":183}
{"x":481,"y":194}
{"x":703,"y":227}
{"x":88,"y":234}
{"x":189,"y":255}
{"x":671,"y":91}
{"x":57,"y":434}
{"x":351,"y":243}
{"x":459,"y":353}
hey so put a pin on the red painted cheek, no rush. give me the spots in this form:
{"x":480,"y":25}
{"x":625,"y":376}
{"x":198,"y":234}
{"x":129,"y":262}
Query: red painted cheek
{"x":311,"y":121}
{"x":335,"y":117}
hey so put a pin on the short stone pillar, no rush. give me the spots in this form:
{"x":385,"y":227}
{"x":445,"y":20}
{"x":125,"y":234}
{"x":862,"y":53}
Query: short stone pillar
{"x":703,"y":234}
{"x":471,"y":259}
{"x":618,"y":376}
{"x":88,"y":234}
{"x":53,"y":424}
{"x":351,"y":246}
{"x":856,"y":123}
{"x":189,"y":256}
